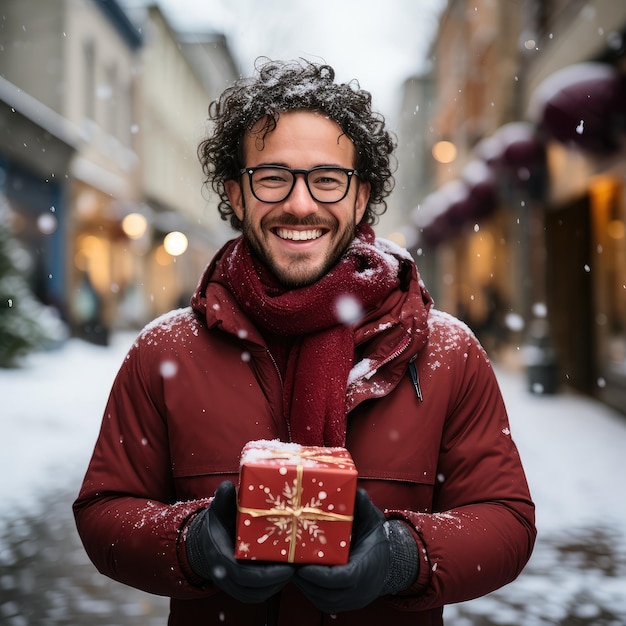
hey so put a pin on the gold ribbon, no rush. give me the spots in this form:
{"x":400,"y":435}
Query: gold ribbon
{"x":298,"y":512}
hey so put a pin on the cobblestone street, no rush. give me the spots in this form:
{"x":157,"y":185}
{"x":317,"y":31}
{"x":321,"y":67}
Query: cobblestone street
{"x":46,"y":578}
{"x":573,"y":579}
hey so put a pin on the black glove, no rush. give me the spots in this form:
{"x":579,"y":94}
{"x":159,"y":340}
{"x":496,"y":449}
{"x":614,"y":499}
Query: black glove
{"x":210,"y":545}
{"x":383,"y":559}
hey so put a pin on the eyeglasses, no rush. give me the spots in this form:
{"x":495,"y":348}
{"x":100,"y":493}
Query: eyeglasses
{"x":274,"y":183}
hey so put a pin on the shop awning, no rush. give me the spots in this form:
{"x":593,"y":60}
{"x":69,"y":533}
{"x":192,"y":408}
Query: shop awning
{"x":443,"y":212}
{"x":513,"y":150}
{"x":583,"y":105}
{"x":514,"y":147}
{"x":481,"y":184}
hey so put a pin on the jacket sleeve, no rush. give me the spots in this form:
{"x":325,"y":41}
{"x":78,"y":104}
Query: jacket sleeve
{"x":126,"y":514}
{"x":481,"y":530}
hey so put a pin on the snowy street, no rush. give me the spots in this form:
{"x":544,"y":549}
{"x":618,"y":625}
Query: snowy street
{"x":573,"y":450}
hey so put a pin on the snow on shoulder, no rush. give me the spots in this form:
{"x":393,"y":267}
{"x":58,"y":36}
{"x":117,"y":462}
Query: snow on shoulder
{"x":449,"y":334}
{"x":453,"y":327}
{"x":175,"y":326}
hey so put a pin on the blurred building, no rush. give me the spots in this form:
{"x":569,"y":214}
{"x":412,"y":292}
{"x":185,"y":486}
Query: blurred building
{"x":522,"y":230}
{"x":415,"y":166}
{"x":178,"y":75}
{"x":67,"y":75}
{"x":100,"y":118}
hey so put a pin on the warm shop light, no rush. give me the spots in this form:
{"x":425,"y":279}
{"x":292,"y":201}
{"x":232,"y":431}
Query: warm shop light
{"x":134,"y":225}
{"x":175,"y":243}
{"x":444,"y":151}
{"x":616,"y":229}
{"x":162,"y":257}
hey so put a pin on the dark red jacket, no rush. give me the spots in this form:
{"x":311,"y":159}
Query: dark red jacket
{"x":200,"y":382}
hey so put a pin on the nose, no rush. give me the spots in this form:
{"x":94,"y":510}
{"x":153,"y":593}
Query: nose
{"x":300,"y":202}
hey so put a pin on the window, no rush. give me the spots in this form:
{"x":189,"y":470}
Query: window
{"x":89,"y":80}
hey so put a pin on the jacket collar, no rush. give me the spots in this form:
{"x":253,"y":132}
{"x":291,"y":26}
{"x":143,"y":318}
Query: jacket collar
{"x":384,"y":345}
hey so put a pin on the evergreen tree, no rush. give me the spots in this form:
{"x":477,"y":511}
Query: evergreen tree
{"x":25,"y":323}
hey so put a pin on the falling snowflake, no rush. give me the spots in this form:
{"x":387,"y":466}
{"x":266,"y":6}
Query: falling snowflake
{"x":348,"y":309}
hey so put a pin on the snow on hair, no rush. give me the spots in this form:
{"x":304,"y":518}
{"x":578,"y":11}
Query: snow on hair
{"x":280,"y":86}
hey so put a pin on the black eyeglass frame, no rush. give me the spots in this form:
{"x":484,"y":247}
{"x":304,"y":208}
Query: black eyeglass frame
{"x":294,"y":172}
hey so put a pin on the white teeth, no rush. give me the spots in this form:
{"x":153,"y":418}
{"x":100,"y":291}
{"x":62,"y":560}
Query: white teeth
{"x":298,"y":235}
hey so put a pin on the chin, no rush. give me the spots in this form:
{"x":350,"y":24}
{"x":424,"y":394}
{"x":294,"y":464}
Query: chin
{"x":294,"y":279}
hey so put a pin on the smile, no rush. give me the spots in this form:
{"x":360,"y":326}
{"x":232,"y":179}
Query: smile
{"x":299,"y":235}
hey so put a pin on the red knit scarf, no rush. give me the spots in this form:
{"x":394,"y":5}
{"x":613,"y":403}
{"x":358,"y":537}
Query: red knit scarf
{"x":319,"y":363}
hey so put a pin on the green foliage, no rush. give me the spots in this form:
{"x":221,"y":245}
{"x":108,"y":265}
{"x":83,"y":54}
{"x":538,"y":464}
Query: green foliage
{"x":25,"y":323}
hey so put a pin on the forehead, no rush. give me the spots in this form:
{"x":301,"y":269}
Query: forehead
{"x":300,"y":139}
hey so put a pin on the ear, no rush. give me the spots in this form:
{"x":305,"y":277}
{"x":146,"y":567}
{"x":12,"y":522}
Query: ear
{"x":362,"y":198}
{"x":235,"y":196}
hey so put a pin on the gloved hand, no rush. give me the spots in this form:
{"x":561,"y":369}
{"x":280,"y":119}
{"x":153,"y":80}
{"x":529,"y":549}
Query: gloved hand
{"x":210,"y":545}
{"x":373,"y":568}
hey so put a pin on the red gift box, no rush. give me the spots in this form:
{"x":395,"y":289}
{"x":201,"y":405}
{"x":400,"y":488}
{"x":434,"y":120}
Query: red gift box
{"x":295,"y":503}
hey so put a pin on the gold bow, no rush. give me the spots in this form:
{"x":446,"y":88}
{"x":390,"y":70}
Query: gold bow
{"x":297,"y":511}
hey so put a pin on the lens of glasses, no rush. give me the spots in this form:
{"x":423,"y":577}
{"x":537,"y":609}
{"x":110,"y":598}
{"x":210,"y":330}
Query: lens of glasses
{"x":274,"y":184}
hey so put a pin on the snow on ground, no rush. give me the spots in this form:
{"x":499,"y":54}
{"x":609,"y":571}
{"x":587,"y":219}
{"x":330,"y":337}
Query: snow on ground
{"x":573,"y":453}
{"x":51,"y":411}
{"x":572,"y":448}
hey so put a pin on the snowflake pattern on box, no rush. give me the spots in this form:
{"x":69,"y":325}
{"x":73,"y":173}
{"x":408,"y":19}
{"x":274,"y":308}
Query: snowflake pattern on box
{"x":290,"y":523}
{"x":295,"y":503}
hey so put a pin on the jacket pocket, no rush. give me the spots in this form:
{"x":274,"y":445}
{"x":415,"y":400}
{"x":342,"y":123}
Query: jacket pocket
{"x":395,"y":446}
{"x":406,"y":493}
{"x":398,"y":474}
{"x":192,"y":483}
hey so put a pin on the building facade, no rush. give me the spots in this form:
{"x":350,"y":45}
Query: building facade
{"x":575,"y":94}
{"x":100,"y":117}
{"x":523,"y":228}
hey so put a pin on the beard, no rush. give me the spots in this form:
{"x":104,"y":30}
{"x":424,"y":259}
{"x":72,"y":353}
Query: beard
{"x":300,"y":270}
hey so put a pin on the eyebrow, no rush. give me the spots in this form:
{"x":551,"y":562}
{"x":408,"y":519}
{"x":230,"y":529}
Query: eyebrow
{"x":348,"y":167}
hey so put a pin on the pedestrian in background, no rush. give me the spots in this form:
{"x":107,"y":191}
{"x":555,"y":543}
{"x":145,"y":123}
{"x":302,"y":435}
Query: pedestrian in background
{"x":307,"y":328}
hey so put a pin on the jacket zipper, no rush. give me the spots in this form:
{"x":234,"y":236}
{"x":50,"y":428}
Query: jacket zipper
{"x":415,"y":378}
{"x":412,"y":367}
{"x":396,"y":353}
{"x":282,"y":385}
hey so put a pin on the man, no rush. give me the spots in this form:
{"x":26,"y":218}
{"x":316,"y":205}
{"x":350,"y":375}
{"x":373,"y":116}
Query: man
{"x":308,"y":329}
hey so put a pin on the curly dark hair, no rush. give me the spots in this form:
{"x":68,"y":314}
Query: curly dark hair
{"x":280,"y":86}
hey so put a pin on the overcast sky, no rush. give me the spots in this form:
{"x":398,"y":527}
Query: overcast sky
{"x":380,"y":43}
